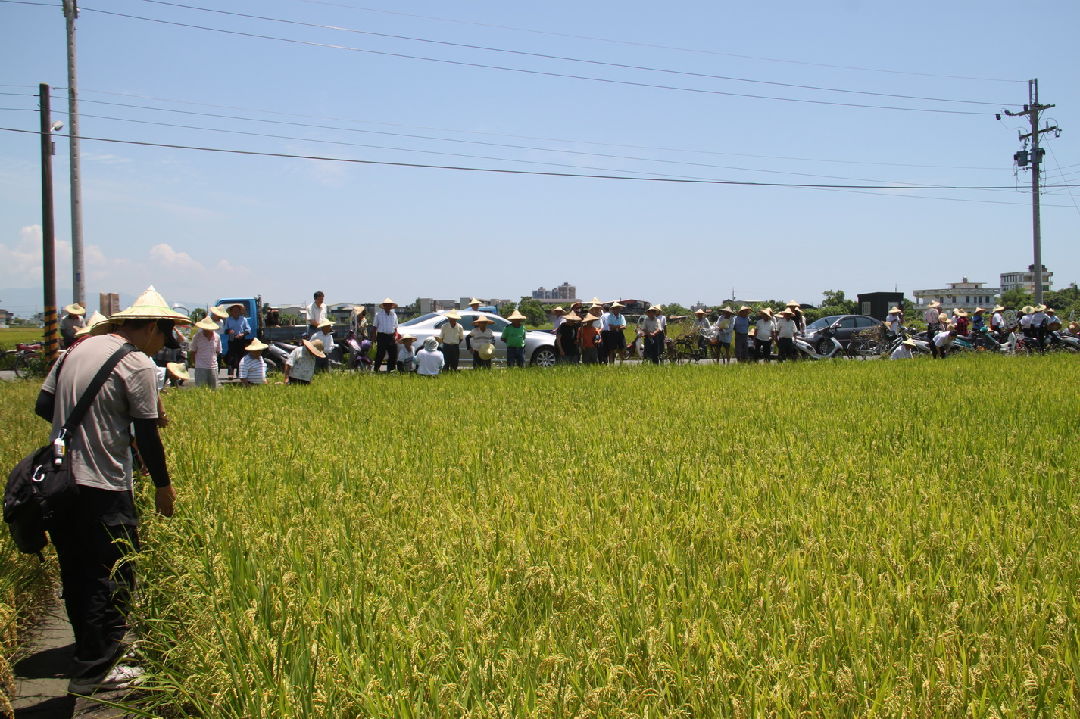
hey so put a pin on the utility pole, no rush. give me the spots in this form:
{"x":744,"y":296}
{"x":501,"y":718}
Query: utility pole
{"x":78,"y":288}
{"x":48,"y":237}
{"x":1022,"y":158}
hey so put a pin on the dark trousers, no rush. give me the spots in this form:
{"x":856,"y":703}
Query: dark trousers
{"x":742,"y":346}
{"x":452,"y":355}
{"x":653,"y":346}
{"x":385,"y":347}
{"x":932,"y":330}
{"x":235,"y":354}
{"x":92,"y":537}
{"x":515,"y":356}
{"x":764,"y":348}
{"x":571,"y":356}
{"x":787,"y":348}
{"x":612,"y":341}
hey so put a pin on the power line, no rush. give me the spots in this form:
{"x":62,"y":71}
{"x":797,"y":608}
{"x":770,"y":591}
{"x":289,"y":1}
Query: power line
{"x":715,"y":153}
{"x":657,"y":46}
{"x":745,"y":183}
{"x":524,"y":71}
{"x":547,"y":56}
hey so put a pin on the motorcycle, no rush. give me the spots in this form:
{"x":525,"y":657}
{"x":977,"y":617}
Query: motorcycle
{"x":825,"y":346}
{"x":358,"y":350}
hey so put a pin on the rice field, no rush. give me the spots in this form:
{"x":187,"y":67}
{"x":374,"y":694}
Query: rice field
{"x":845,"y":539}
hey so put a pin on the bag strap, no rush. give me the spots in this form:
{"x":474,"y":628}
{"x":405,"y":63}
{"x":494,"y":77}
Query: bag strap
{"x":81,"y":407}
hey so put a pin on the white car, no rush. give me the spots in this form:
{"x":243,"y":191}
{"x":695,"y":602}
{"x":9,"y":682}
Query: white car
{"x":539,"y":345}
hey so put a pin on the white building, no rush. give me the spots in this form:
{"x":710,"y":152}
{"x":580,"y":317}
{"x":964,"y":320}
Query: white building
{"x":1025,"y":280}
{"x":564,"y":292}
{"x":964,"y":294}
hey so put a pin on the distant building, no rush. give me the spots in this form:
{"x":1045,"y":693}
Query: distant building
{"x":965,"y":294}
{"x":485,"y":302}
{"x":109,"y":303}
{"x":1025,"y":280}
{"x":564,"y":292}
{"x":5,"y":317}
{"x":428,"y":304}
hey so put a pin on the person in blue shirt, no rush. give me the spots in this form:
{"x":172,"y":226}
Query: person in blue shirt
{"x":741,"y":326}
{"x":235,"y":336}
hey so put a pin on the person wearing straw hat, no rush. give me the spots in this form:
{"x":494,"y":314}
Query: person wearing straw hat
{"x":316,"y":313}
{"x":481,"y":341}
{"x":450,"y":337}
{"x":406,"y":357}
{"x":703,"y":328}
{"x":253,"y":366}
{"x":558,"y":314}
{"x":998,"y":324}
{"x":589,"y":339}
{"x":786,"y":330}
{"x":514,"y":338}
{"x":723,"y":333}
{"x":943,"y":340}
{"x":1039,"y":322}
{"x":325,"y":332}
{"x":1053,"y":322}
{"x":1023,"y":320}
{"x":386,"y":324}
{"x":204,"y":349}
{"x":358,"y":322}
{"x":797,"y":315}
{"x":894,"y":321}
{"x":933,"y":324}
{"x":613,"y":339}
{"x":177,"y":372}
{"x":741,"y":329}
{"x":88,"y":325}
{"x":978,"y":321}
{"x":236,"y":333}
{"x":904,"y":350}
{"x":566,"y":339}
{"x":300,"y":365}
{"x":961,"y":321}
{"x":94,"y":535}
{"x":651,"y":330}
{"x":764,"y":329}
{"x":429,"y":360}
{"x":74,"y":315}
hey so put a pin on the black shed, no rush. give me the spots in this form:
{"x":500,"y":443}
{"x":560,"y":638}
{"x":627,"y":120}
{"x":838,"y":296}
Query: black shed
{"x":878,"y":304}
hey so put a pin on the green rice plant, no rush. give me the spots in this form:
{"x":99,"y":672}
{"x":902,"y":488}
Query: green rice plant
{"x":826,"y":539}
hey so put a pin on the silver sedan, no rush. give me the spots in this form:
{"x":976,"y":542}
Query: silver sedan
{"x":539,"y":345}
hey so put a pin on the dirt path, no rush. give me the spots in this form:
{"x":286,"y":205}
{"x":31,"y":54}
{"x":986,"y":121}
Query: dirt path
{"x":41,"y":676}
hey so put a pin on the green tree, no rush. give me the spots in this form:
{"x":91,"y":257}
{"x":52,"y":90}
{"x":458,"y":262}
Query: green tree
{"x":1016,"y":298}
{"x":674,"y":309}
{"x":506,"y":309}
{"x":532,"y":309}
{"x":197,"y":314}
{"x":835,"y":299}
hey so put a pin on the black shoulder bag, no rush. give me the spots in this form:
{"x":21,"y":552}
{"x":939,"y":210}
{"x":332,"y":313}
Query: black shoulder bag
{"x":42,"y":483}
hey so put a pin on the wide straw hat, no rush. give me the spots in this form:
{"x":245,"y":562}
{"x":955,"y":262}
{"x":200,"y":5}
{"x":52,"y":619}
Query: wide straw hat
{"x":786,"y":312}
{"x":558,"y":309}
{"x":895,"y":311}
{"x":325,"y":323}
{"x":257,"y":346}
{"x":407,"y":336}
{"x":617,"y":305}
{"x":571,"y":318}
{"x":909,"y":342}
{"x":597,"y":301}
{"x":934,"y":305}
{"x":219,"y":312}
{"x":942,"y":317}
{"x":1040,"y":308}
{"x":998,"y":308}
{"x":388,"y":301}
{"x":654,"y":308}
{"x":453,"y":315}
{"x":483,"y":319}
{"x":744,"y":308}
{"x":767,"y":311}
{"x":315,"y":347}
{"x":1028,"y":309}
{"x":207,"y":324}
{"x":150,"y":305}
{"x":959,"y":312}
{"x":475,"y":301}
{"x":792,"y":303}
{"x":699,"y":311}
{"x":486,"y":352}
{"x":75,"y":309}
{"x":95,"y":319}
{"x":977,"y":310}
{"x":177,"y":370}
{"x":726,"y":309}
{"x":516,"y":315}
{"x":359,"y":309}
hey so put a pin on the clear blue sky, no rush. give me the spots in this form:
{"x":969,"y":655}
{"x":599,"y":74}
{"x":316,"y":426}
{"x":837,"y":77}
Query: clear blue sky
{"x":200,"y":225}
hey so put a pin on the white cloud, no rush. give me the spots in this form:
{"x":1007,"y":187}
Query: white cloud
{"x":20,"y":262}
{"x":224,"y":266}
{"x":166,"y":256}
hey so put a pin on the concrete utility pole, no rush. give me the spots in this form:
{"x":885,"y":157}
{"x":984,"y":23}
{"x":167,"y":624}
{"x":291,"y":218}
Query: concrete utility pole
{"x":48,"y":239}
{"x":78,"y":288}
{"x":1031,"y":110}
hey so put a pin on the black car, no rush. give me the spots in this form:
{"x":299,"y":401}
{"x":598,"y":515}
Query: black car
{"x":846,"y":326}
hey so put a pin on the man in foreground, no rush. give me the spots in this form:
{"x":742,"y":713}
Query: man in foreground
{"x":94,"y":531}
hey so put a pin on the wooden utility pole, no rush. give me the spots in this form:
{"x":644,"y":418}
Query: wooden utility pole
{"x":78,"y":285}
{"x":48,"y":236}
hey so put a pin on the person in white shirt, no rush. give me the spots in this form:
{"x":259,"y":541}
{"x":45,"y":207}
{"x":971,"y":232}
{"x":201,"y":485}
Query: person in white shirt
{"x":723,"y":330}
{"x":651,"y":330}
{"x":612,"y":336}
{"x":1039,"y":323}
{"x":429,"y":360}
{"x":325,"y":332}
{"x":763,"y":333}
{"x":253,"y":366}
{"x":704,"y":330}
{"x":316,"y":311}
{"x":942,"y":341}
{"x":933,"y":324}
{"x":786,"y":329}
{"x":558,"y":315}
{"x":451,"y":335}
{"x":386,"y":324}
{"x":481,"y":341}
{"x":406,"y":360}
{"x":997,"y":324}
{"x":894,"y":321}
{"x":204,"y":348}
{"x":903,"y":350}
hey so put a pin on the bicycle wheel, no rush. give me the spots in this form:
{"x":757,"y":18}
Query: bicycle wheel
{"x":22,"y":366}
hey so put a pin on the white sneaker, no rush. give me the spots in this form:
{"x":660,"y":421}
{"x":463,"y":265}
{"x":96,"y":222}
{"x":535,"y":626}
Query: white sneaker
{"x":119,"y":677}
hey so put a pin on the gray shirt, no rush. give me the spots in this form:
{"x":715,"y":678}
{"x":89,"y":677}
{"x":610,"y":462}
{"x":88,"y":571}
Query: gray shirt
{"x":100,"y":450}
